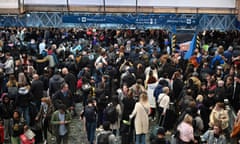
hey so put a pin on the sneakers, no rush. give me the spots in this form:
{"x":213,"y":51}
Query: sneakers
{"x":153,"y":119}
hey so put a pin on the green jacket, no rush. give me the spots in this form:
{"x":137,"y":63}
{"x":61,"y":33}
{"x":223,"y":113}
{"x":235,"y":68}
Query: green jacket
{"x":55,"y":122}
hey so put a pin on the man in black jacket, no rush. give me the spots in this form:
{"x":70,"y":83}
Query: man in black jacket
{"x":64,"y":96}
{"x":55,"y":83}
{"x":37,"y":90}
{"x":70,"y":79}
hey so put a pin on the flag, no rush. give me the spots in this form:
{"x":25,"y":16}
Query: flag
{"x":195,"y":43}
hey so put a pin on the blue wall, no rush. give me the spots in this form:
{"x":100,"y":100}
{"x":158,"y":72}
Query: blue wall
{"x":163,"y":21}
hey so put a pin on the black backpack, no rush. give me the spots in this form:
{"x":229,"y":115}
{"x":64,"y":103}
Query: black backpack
{"x":103,"y":138}
{"x":90,"y":114}
{"x":12,"y":92}
{"x":111,"y":113}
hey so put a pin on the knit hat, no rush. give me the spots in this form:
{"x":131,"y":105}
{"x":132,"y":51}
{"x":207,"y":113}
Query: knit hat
{"x":161,"y":131}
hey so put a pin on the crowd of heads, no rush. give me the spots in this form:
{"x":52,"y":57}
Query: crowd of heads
{"x":111,"y":59}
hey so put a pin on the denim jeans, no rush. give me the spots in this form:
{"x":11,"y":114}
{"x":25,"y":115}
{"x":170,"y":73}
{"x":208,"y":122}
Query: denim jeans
{"x":141,"y":139}
{"x":91,"y":129}
{"x":6,"y":123}
{"x":63,"y":139}
{"x":26,"y":114}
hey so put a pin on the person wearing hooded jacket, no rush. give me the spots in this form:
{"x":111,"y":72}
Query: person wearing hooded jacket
{"x":55,"y":83}
{"x":6,"y":112}
{"x":23,"y":100}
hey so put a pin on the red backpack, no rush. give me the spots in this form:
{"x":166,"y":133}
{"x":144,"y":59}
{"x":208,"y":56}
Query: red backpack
{"x":79,"y":83}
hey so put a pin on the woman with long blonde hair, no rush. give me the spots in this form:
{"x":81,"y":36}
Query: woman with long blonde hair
{"x":186,"y":133}
{"x":12,"y":87}
{"x":141,"y":122}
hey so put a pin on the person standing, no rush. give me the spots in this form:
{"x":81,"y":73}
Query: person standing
{"x":185,"y":128}
{"x":90,"y":120}
{"x":64,"y":96}
{"x":126,"y":129}
{"x":17,"y":124}
{"x":23,"y":101}
{"x":37,"y":90}
{"x":70,"y":79}
{"x":6,"y":112}
{"x":9,"y":64}
{"x":219,"y":116}
{"x":44,"y":115}
{"x":141,"y":122}
{"x":55,"y":83}
{"x":235,"y":133}
{"x":115,"y":126}
{"x":42,"y":48}
{"x":61,"y":120}
{"x":12,"y":87}
{"x":215,"y":136}
{"x":163,"y":104}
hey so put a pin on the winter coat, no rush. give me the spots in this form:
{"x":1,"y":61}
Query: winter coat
{"x":16,"y":127}
{"x":210,"y":138}
{"x":71,"y":80}
{"x":47,"y":114}
{"x":67,"y":100}
{"x":55,"y":122}
{"x":37,"y":89}
{"x":9,"y":66}
{"x":116,"y":125}
{"x":6,"y":109}
{"x":23,"y":98}
{"x":141,"y":121}
{"x":55,"y":83}
{"x":128,"y":106}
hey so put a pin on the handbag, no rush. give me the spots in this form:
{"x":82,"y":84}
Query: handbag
{"x":28,"y":137}
{"x":86,"y":87}
{"x":25,"y":140}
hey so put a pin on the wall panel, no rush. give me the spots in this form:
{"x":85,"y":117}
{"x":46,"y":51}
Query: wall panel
{"x":45,"y":2}
{"x":85,"y":2}
{"x":151,"y":3}
{"x":8,"y":4}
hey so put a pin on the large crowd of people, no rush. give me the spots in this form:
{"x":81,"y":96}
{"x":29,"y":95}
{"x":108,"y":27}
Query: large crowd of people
{"x":126,"y":81}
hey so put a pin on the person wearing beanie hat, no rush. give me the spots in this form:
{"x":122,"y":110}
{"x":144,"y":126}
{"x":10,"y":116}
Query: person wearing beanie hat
{"x":160,"y":138}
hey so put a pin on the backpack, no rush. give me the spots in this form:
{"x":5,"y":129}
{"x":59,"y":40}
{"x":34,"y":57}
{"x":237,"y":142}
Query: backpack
{"x":79,"y":83}
{"x":103,"y":138}
{"x":12,"y":92}
{"x":90,"y":114}
{"x":56,"y":85}
{"x":111,"y":113}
